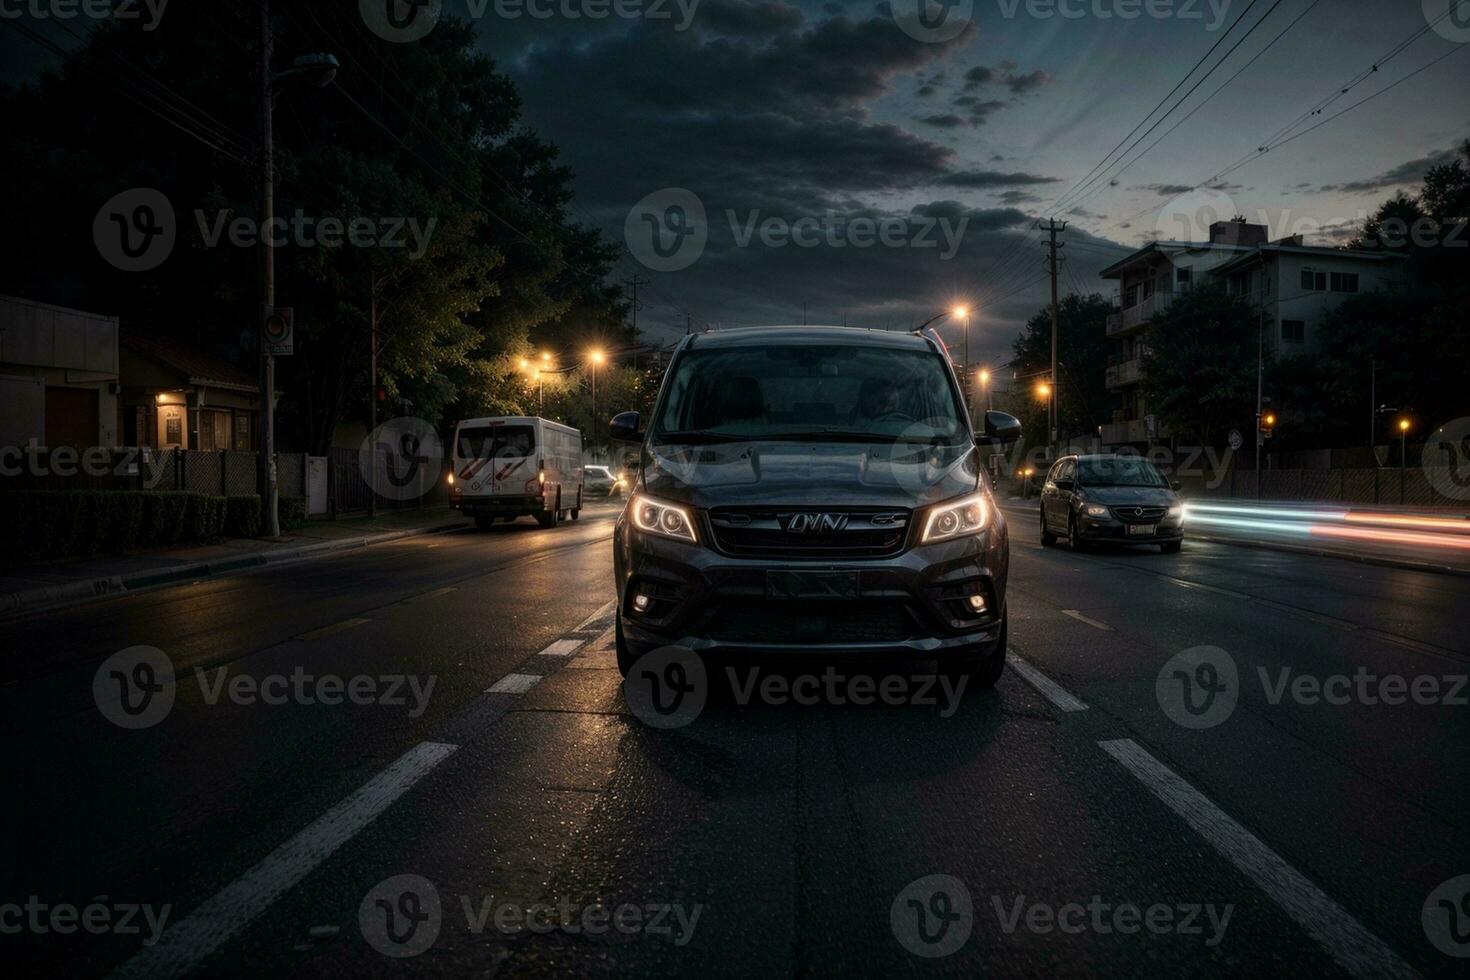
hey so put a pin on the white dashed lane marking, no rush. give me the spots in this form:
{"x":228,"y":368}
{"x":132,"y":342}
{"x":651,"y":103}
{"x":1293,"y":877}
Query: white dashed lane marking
{"x":1084,"y":619}
{"x":561,"y":648}
{"x":514,"y":684}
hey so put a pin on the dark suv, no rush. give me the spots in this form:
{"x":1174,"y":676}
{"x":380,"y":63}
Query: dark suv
{"x":813,"y":490}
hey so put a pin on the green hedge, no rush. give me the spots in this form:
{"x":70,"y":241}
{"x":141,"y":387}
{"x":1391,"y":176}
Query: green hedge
{"x":292,"y":512}
{"x":59,"y":523}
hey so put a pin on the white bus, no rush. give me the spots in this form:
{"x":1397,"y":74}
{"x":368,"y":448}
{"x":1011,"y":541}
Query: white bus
{"x":515,"y":465}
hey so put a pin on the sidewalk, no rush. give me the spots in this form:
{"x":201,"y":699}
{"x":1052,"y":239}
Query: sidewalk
{"x":48,"y":584}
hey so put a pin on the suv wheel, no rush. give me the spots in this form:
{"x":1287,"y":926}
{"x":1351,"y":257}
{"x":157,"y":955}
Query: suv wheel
{"x":1074,"y":540}
{"x":1047,"y":538}
{"x":625,"y":655}
{"x":980,"y":672}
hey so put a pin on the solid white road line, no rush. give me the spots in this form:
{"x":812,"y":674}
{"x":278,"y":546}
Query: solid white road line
{"x":1083,"y":619}
{"x":1355,"y":949}
{"x":1053,"y":692}
{"x":601,"y":612}
{"x":561,"y":648}
{"x":513,"y":684}
{"x":185,"y":945}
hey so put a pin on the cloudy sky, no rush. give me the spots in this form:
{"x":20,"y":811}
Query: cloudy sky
{"x":954,"y":138}
{"x":777,"y":109}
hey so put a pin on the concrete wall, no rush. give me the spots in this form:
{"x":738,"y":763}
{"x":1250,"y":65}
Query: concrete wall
{"x":45,"y":346}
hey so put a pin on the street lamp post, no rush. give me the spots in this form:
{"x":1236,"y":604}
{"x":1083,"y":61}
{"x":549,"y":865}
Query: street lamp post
{"x":1403,"y":454}
{"x":321,"y":68}
{"x":596,"y":357}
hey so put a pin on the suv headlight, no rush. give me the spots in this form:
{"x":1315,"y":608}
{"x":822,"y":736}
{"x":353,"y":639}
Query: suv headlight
{"x":964,"y":515}
{"x":665,"y":520}
{"x":1096,"y":510}
{"x":1177,"y":511}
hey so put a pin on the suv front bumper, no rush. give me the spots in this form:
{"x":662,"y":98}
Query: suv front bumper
{"x":914,"y":604}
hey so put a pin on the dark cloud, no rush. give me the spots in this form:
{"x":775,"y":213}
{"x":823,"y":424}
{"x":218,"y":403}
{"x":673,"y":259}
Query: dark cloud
{"x":743,"y":18}
{"x":1029,"y":82}
{"x":1164,"y":190}
{"x":978,"y":76}
{"x":1409,"y":172}
{"x":977,"y":179}
{"x":944,"y":120}
{"x":926,"y":90}
{"x":1018,"y":197}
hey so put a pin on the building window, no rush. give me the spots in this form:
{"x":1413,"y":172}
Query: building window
{"x":1130,"y":297}
{"x":1182,"y":277}
{"x":1293,"y":331}
{"x":1344,"y":282}
{"x":1315,"y":282}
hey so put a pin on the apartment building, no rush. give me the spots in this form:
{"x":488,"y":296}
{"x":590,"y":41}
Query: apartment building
{"x":1294,"y":284}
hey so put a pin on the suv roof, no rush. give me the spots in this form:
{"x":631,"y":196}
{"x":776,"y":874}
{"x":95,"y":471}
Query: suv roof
{"x":798,"y":334}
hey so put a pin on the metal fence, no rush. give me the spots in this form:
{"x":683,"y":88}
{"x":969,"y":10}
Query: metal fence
{"x":1428,"y":487}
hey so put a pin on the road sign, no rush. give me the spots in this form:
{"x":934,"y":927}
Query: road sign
{"x":279,"y":334}
{"x":1236,"y":440}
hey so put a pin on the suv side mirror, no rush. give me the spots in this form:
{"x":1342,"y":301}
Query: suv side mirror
{"x":1175,"y":485}
{"x":1001,"y":428}
{"x":624,"y":427}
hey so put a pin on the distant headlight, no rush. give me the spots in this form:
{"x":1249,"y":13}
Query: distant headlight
{"x":662,"y":519}
{"x":1096,"y":510}
{"x":964,"y":515}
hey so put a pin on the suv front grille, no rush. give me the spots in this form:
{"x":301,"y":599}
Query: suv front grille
{"x":840,"y":533}
{"x":1140,"y":515}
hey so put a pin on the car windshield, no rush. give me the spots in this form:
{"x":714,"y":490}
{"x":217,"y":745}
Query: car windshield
{"x":810,"y":392}
{"x":1119,"y":471}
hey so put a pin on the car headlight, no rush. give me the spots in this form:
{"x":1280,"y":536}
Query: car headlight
{"x":965,"y":515}
{"x":662,"y":519}
{"x":1177,"y":511}
{"x":1096,"y":510}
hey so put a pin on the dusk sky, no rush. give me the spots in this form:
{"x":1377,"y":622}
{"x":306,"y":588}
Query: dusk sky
{"x":829,"y":112}
{"x":791,"y":109}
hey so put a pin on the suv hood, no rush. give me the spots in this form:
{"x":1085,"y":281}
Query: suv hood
{"x":809,"y":474}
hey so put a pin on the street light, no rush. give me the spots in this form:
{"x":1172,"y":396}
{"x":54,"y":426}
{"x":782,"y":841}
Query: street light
{"x":1403,"y":441}
{"x":1043,"y":390}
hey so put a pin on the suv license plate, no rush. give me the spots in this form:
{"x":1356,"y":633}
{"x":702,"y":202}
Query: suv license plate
{"x":1142,"y":530}
{"x":781,"y":584}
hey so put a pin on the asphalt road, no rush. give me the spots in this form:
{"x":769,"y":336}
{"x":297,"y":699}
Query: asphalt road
{"x":1158,"y":785}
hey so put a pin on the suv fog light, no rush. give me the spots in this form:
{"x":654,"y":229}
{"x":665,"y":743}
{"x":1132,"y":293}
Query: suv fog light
{"x":640,"y":602}
{"x":977,"y":603}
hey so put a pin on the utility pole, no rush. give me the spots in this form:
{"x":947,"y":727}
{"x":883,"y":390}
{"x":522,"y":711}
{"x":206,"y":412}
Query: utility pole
{"x":270,"y":488}
{"x":373,"y":387}
{"x":633,"y":284}
{"x":1052,"y":226}
{"x":1372,"y":400}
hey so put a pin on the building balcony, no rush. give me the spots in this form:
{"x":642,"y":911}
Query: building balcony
{"x":1136,"y":316}
{"x":1124,"y":371}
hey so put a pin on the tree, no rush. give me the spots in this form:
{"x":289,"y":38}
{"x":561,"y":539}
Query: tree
{"x":428,"y":133}
{"x":1083,"y":399}
{"x":1201,"y":362}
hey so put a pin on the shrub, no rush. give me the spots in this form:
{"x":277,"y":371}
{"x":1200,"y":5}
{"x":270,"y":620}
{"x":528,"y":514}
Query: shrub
{"x":59,"y":523}
{"x":292,"y":511}
{"x":242,"y":516}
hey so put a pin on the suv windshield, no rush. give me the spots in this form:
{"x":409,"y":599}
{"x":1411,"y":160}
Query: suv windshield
{"x":1121,"y":471}
{"x":810,"y":392}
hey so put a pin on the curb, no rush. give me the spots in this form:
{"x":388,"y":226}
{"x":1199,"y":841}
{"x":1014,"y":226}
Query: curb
{"x":1405,"y":563}
{"x":74,"y":593}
